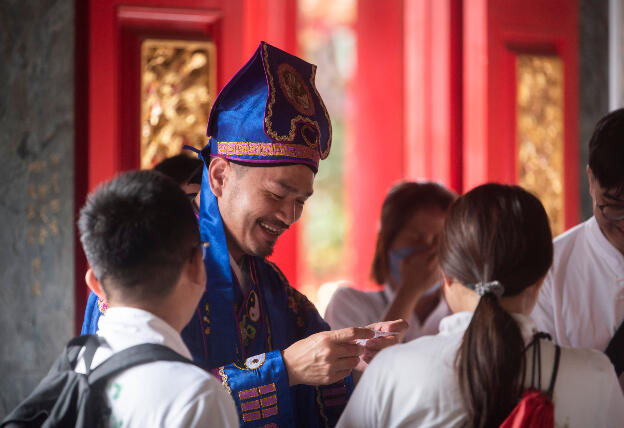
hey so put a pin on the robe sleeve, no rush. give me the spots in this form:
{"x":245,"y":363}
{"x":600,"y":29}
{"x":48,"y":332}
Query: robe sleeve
{"x":260,"y":386}
{"x":260,"y":389}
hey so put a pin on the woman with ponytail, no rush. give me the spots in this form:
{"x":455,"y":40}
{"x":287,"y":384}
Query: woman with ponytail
{"x":494,"y":251}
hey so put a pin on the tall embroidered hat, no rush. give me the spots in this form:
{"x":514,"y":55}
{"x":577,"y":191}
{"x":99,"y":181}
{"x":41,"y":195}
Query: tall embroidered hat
{"x":270,"y":113}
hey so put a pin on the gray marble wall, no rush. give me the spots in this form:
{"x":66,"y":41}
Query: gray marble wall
{"x":36,"y":188}
{"x":593,"y":83}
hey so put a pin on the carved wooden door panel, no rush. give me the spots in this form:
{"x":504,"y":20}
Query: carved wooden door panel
{"x":520,"y":93}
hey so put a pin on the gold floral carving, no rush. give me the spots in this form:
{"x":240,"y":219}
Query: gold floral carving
{"x":539,"y":132}
{"x":178,"y":86}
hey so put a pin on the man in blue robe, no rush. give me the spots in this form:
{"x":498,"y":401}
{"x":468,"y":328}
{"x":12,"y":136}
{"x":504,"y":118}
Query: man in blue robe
{"x":264,"y":340}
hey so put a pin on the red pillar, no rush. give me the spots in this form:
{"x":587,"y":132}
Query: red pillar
{"x":433,"y":96}
{"x":374,"y":155}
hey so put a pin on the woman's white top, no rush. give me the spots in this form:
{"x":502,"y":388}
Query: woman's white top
{"x":415,"y":385}
{"x":162,"y":393}
{"x":349,"y":307}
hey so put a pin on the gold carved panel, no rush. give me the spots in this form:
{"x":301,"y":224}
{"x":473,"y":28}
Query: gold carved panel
{"x":178,"y":86}
{"x":539,"y":132}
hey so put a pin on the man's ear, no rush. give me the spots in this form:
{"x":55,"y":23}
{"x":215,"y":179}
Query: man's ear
{"x":218,"y":171}
{"x":94,"y":284}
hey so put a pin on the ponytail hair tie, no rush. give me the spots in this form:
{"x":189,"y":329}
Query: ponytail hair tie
{"x":494,"y":287}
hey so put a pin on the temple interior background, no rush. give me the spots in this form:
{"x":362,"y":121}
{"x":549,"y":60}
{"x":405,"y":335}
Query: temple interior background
{"x":457,"y":91}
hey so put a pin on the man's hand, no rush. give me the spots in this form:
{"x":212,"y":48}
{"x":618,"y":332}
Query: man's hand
{"x":326,"y":357}
{"x":373,"y":346}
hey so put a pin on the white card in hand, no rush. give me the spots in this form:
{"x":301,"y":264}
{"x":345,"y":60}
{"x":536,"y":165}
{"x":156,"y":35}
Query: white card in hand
{"x":378,"y":333}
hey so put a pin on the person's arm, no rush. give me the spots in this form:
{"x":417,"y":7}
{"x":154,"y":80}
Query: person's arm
{"x":312,"y":372}
{"x":261,"y":385}
{"x":260,"y":388}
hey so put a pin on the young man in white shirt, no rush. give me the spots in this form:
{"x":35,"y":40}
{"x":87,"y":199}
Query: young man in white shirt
{"x":142,"y":241}
{"x":582,"y":300}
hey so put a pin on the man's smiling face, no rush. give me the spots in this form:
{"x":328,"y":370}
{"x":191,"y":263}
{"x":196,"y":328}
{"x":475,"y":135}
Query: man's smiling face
{"x":258,"y":204}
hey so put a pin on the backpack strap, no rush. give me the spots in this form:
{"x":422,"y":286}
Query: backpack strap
{"x":553,"y":377}
{"x":536,"y":368}
{"x":93,"y":343}
{"x":134,"y":356}
{"x":89,"y":341}
{"x":615,"y":350}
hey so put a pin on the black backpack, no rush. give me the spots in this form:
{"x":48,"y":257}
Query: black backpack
{"x":65,"y":398}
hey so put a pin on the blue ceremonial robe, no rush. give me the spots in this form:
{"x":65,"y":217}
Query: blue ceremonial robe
{"x":240,"y":337}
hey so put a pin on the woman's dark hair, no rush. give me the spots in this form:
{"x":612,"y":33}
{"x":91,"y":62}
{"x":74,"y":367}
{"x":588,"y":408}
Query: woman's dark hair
{"x":402,"y":201}
{"x":498,"y":233}
{"x":606,"y":152}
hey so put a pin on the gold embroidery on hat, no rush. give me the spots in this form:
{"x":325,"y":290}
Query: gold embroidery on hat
{"x":294,"y":87}
{"x":268,"y":124}
{"x":244,"y":148}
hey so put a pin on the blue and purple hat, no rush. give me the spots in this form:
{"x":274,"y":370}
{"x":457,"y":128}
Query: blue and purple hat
{"x":270,"y":113}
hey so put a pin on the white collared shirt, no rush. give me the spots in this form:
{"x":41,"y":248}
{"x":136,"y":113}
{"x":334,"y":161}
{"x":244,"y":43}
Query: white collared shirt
{"x":415,"y":384}
{"x":581,"y":302}
{"x":163,"y":393}
{"x":349,"y":307}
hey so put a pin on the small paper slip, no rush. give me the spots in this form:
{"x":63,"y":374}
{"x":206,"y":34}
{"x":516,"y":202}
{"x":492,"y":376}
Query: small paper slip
{"x":378,"y":333}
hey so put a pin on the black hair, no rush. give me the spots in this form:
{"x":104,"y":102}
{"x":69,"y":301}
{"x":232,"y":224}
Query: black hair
{"x":498,"y":233}
{"x":402,"y":201}
{"x":137,"y":230}
{"x":606,"y":152}
{"x":182,"y":169}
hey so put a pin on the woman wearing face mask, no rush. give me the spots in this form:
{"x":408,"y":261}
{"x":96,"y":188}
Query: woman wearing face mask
{"x":405,"y":264}
{"x":494,"y":250}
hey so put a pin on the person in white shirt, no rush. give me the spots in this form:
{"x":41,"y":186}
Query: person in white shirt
{"x":142,"y":242}
{"x":495,"y":250}
{"x":405,"y":264}
{"x":582,"y":300}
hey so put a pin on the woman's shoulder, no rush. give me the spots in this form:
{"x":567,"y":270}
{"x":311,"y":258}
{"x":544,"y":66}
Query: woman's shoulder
{"x":585,"y":359}
{"x":424,"y":354}
{"x":347,"y":290}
